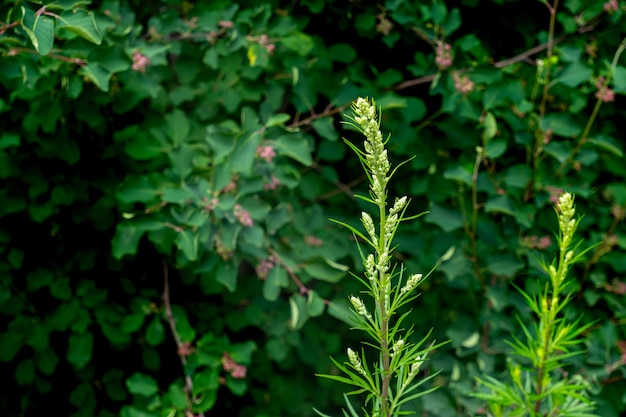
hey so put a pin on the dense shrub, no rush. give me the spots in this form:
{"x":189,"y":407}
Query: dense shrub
{"x":169,"y":168}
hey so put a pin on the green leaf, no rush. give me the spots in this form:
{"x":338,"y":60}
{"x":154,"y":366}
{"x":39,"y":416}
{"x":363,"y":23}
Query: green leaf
{"x":339,"y":309}
{"x":126,"y":240}
{"x":25,"y":372}
{"x":178,"y":126}
{"x":9,"y":139}
{"x":181,"y":160}
{"x":242,"y":158}
{"x":82,"y":23}
{"x":518,"y":176}
{"x":155,"y":332}
{"x":136,"y":189}
{"x":276,"y":279}
{"x":325,"y":270}
{"x":187,"y":242}
{"x":178,"y":397}
{"x":38,"y":278}
{"x":99,"y":75}
{"x":608,"y":144}
{"x":79,"y":350}
{"x":141,"y":384}
{"x":619,"y":79}
{"x":342,"y":52}
{"x":277,"y":349}
{"x":46,"y":361}
{"x":277,"y":119}
{"x":562,"y":124}
{"x":459,"y":173}
{"x":298,"y":42}
{"x":299,"y":315}
{"x":574,"y":74}
{"x":296,"y":147}
{"x":315,"y":305}
{"x":129,"y":411}
{"x":144,"y":147}
{"x":178,"y":195}
{"x":226,"y":274}
{"x":325,"y":128}
{"x":444,"y":217}
{"x":39,"y":28}
{"x":500,"y":204}
{"x":501,"y":264}
{"x":559,"y":150}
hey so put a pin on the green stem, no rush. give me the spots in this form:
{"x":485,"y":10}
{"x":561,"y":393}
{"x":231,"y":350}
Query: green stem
{"x":384,"y":301}
{"x":594,"y":113}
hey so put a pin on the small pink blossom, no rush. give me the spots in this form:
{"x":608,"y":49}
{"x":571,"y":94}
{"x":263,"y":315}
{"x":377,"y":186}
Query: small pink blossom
{"x":555,"y":193}
{"x":226,"y":24}
{"x":265,"y":266}
{"x":222,"y":251}
{"x":535,"y":242}
{"x":236,"y":370}
{"x":547,"y":135}
{"x":618,"y":212}
{"x":443,"y":57}
{"x":140,"y":62}
{"x":266,"y":152}
{"x":610,"y":6}
{"x":242,"y":215}
{"x":313,"y":241}
{"x":462,"y":84}
{"x":272,"y":184}
{"x":231,"y":187}
{"x":604,"y":93}
{"x":384,"y":25}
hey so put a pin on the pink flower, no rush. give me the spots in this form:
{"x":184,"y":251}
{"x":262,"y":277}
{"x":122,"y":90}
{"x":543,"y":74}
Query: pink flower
{"x":242,"y":215}
{"x":313,"y":241}
{"x":236,"y":370}
{"x":266,"y":152}
{"x":443,"y":58}
{"x":604,"y":93}
{"x":610,"y":6}
{"x":462,"y":84}
{"x":264,"y":267}
{"x":535,"y":242}
{"x":140,"y":62}
{"x":232,"y":185}
{"x":555,"y":193}
{"x":272,"y":185}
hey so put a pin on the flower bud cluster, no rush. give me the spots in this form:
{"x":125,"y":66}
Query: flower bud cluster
{"x":411,"y":283}
{"x":359,"y":306}
{"x":355,"y":362}
{"x":567,"y":223}
{"x":376,"y":157}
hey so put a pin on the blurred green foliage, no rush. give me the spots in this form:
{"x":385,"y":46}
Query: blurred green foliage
{"x":168,"y":170}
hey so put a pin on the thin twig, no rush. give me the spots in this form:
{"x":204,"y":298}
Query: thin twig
{"x":179,"y":343}
{"x":303,"y":289}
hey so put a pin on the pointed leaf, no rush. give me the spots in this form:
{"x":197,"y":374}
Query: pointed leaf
{"x":39,"y":28}
{"x":82,"y":23}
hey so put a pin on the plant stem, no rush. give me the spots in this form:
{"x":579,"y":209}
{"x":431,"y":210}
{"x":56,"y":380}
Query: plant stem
{"x":594,"y":113}
{"x":384,"y":298}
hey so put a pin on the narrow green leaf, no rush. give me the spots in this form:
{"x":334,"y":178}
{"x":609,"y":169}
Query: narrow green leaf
{"x":277,"y":119}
